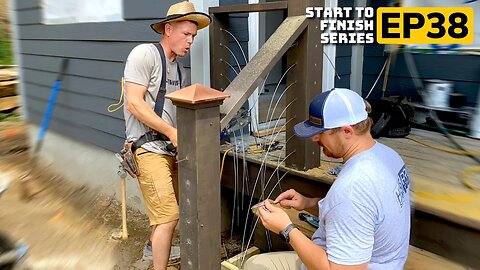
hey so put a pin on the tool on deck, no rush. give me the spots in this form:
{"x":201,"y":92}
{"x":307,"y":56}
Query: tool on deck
{"x":335,"y":170}
{"x":238,"y":123}
{"x":310,"y":219}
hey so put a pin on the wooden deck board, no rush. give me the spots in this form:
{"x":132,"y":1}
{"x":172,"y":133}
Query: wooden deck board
{"x":435,"y":176}
{"x":418,"y":259}
{"x":437,"y":188}
{"x":433,"y":164}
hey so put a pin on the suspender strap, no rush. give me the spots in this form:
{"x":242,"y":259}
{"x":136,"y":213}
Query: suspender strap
{"x":152,"y":135}
{"x":160,"y":99}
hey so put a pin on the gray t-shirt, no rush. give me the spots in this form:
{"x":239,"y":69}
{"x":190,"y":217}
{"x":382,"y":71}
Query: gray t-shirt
{"x":144,"y":67}
{"x":365,"y":216}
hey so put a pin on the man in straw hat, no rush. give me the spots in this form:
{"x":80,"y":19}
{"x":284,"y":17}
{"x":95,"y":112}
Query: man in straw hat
{"x":364,"y":220}
{"x":151,"y":71}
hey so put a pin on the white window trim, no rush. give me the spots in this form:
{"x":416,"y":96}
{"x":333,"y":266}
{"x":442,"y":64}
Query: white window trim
{"x":74,"y":11}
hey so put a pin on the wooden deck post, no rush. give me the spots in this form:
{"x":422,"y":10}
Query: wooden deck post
{"x":198,"y":121}
{"x":306,"y":76}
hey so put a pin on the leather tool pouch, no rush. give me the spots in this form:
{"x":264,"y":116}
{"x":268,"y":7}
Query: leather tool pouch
{"x":129,"y":162}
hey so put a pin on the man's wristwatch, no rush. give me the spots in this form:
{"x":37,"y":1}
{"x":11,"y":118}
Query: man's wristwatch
{"x":285,"y":232}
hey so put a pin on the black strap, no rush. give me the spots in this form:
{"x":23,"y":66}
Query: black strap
{"x":160,"y":99}
{"x":152,"y":135}
{"x":148,"y":137}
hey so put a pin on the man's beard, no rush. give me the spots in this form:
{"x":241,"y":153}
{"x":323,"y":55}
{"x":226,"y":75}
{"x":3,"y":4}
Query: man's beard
{"x":329,"y":154}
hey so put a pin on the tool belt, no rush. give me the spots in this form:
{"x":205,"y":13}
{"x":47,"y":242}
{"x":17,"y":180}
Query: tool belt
{"x":127,"y":160}
{"x":150,"y":137}
{"x":127,"y":155}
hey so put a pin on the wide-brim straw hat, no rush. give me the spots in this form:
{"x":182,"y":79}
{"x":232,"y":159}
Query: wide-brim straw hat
{"x":183,"y":11}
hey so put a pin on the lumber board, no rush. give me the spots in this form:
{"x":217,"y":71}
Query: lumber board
{"x":8,"y":103}
{"x":7,"y":74}
{"x":8,"y":88}
{"x":268,"y":132}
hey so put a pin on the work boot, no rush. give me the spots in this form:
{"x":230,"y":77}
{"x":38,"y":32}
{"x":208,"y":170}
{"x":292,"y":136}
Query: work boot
{"x":148,"y":255}
{"x":147,"y":251}
{"x":174,"y":255}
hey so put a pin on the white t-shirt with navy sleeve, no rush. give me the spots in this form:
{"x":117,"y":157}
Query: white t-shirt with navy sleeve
{"x":365,"y":216}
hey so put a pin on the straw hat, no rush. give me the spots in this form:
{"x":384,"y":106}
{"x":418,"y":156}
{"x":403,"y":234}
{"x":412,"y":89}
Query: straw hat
{"x":183,"y":11}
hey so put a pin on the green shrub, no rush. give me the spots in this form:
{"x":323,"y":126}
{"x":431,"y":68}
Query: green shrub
{"x":6,"y":54}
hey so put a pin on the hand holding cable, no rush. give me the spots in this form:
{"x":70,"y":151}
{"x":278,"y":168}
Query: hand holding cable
{"x":292,"y":199}
{"x":273,"y":218}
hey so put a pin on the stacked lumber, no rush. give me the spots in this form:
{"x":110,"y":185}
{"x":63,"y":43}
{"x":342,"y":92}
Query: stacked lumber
{"x":9,"y":100}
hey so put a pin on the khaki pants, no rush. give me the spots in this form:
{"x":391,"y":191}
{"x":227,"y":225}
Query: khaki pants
{"x":159,"y":184}
{"x":284,"y":260}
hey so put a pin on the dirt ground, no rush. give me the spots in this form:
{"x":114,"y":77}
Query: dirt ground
{"x":67,"y":226}
{"x":64,"y":226}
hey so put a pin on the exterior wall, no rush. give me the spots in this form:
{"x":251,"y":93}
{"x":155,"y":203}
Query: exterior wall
{"x":273,"y":19}
{"x":96,"y":53}
{"x":343,"y":62}
{"x":343,"y":56}
{"x":238,"y":26}
{"x":461,"y":69}
{"x":82,"y":135}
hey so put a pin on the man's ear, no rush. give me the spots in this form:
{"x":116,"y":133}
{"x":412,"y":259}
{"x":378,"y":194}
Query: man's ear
{"x":168,"y":29}
{"x":348,"y":131}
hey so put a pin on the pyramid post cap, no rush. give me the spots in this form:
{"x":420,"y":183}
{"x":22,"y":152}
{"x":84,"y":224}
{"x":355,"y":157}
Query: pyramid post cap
{"x":197,"y":94}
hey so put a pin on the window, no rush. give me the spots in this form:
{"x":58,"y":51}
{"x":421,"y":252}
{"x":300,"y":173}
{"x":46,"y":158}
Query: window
{"x":74,"y":11}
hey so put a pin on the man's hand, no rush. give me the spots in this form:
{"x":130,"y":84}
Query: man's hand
{"x":172,"y":136}
{"x":292,"y":198}
{"x":273,"y":218}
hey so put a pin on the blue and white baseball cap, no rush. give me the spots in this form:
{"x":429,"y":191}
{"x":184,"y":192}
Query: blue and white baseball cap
{"x":332,"y":109}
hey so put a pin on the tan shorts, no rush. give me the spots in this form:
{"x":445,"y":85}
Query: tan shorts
{"x":159,"y":184}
